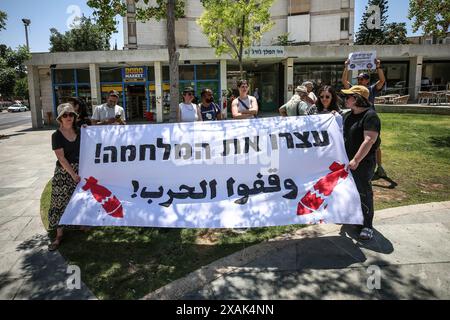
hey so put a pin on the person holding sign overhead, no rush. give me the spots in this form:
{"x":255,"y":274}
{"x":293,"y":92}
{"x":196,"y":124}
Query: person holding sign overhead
{"x":374,"y":90}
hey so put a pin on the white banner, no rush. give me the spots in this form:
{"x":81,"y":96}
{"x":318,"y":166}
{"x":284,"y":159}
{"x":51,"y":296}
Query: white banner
{"x":221,"y":174}
{"x":264,"y":52}
{"x":362,"y":60}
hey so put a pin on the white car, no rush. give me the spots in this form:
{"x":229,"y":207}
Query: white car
{"x":17,"y":108}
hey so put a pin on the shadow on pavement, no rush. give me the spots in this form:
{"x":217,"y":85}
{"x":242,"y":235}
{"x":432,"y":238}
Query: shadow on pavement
{"x":330,"y":267}
{"x":41,"y":274}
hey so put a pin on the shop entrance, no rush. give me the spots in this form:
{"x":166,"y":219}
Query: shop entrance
{"x":136,"y":102}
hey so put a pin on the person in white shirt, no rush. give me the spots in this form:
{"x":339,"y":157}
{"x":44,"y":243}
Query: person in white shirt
{"x":188,"y":111}
{"x":110,"y":112}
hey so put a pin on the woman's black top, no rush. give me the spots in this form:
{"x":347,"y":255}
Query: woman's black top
{"x":354,"y":127}
{"x":71,"y":149}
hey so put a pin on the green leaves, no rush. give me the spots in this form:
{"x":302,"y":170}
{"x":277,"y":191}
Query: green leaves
{"x":391,"y":33}
{"x":12,"y":70}
{"x":86,"y":36}
{"x":3,"y":18}
{"x":433,"y":16}
{"x":230,"y":24}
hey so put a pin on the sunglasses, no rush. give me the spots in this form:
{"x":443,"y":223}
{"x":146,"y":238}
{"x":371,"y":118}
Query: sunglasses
{"x":188,"y":94}
{"x":243,"y":87}
{"x":349,"y":96}
{"x":325,"y":97}
{"x":65,"y":115}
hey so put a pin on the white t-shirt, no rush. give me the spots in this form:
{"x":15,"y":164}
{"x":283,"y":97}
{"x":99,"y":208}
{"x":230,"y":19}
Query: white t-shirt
{"x":188,"y":112}
{"x":103,"y":112}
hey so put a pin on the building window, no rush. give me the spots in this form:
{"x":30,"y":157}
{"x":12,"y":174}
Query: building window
{"x":428,"y":41}
{"x":111,"y":74}
{"x":131,"y":7}
{"x":64,"y":76}
{"x":83,"y":76}
{"x":131,"y":28}
{"x":186,"y":73}
{"x":299,"y":7}
{"x":344,"y":24}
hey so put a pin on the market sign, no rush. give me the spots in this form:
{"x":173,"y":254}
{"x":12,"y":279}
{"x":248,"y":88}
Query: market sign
{"x":265,"y":52}
{"x":135,"y":74}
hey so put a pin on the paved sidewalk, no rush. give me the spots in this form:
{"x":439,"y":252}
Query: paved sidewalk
{"x":27,"y":269}
{"x":411,"y":249}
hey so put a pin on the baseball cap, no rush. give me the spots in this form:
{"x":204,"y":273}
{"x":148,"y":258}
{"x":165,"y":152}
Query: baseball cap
{"x":359,"y":90}
{"x":364,"y":76}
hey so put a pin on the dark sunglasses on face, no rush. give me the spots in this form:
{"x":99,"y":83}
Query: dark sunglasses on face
{"x":325,"y":97}
{"x":348,"y":97}
{"x":65,"y":115}
{"x":188,"y":94}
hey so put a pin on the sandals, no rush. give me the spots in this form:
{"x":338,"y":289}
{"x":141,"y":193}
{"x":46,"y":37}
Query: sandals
{"x":55,"y":244}
{"x":366,"y":234}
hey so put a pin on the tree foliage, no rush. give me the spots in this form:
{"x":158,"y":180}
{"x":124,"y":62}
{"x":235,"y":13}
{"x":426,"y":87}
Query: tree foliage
{"x":366,"y":35}
{"x":433,"y":16}
{"x":232,"y":25}
{"x":12,"y":70}
{"x":85,"y":36}
{"x":106,"y":10}
{"x":3,"y":18}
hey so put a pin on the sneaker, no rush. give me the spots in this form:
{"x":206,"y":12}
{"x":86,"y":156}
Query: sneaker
{"x":380,"y":172}
{"x":366,"y":234}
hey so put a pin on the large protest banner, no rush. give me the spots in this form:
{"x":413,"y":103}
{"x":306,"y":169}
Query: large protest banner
{"x":221,"y":174}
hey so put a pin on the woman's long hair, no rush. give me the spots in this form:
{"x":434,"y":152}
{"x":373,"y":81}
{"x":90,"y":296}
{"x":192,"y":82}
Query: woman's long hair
{"x":334,"y":105}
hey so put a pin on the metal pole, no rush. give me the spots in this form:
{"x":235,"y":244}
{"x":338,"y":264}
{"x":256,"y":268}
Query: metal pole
{"x":26,"y":35}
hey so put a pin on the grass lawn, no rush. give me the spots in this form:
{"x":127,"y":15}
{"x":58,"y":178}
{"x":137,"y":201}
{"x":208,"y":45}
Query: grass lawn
{"x":127,"y":263}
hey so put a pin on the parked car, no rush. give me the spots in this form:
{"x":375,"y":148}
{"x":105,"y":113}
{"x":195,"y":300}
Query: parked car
{"x":17,"y":108}
{"x":4,"y":105}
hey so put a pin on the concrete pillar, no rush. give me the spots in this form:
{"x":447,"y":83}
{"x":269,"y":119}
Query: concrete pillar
{"x":288,"y":79}
{"x":96,"y":90}
{"x":223,"y":86}
{"x":158,"y":91}
{"x":34,"y":89}
{"x":415,"y":76}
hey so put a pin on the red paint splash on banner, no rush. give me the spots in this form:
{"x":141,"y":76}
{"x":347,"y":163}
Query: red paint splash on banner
{"x":314,"y":199}
{"x":109,"y":202}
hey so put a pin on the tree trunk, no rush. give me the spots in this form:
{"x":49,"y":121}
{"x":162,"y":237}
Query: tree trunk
{"x":241,"y":47}
{"x":173,"y":60}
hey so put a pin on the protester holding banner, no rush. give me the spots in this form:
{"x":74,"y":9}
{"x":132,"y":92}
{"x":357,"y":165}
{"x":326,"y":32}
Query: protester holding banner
{"x":297,"y":105}
{"x":209,"y":109}
{"x":374,"y":90}
{"x":110,"y":112}
{"x":187,"y":110}
{"x":362,"y":128}
{"x":244,"y":106}
{"x":66,"y":145}
{"x":328,"y":101}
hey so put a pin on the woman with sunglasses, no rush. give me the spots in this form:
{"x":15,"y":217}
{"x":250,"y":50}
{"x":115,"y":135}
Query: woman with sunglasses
{"x":66,"y":145}
{"x":328,"y":101}
{"x":244,"y":106}
{"x":187,"y":110}
{"x":362,"y":129}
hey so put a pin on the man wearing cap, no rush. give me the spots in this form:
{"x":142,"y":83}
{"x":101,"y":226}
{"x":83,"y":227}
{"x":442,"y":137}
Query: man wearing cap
{"x":374,"y":90}
{"x":110,"y":112}
{"x":297,"y":106}
{"x":362,"y":128}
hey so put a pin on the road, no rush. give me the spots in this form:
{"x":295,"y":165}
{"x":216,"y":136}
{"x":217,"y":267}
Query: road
{"x":10,"y":119}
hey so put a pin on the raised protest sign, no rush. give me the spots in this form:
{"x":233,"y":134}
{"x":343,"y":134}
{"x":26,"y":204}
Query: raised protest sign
{"x":362,"y":60}
{"x":221,"y":174}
